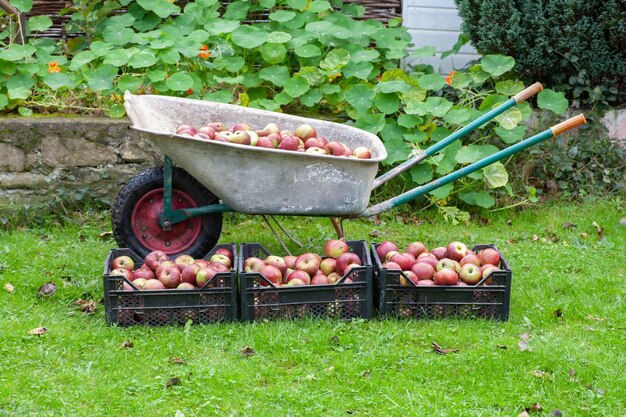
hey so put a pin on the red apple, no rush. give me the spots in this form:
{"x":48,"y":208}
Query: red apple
{"x":169,"y":275}
{"x":320,"y":280}
{"x":182,"y":261}
{"x":423,"y":270}
{"x":189,"y":273}
{"x":269,"y":129}
{"x":446,"y":263}
{"x":139,"y":283}
{"x":126,"y":286}
{"x":456,"y":251}
{"x":185,"y":130}
{"x":307,"y":262}
{"x":185,"y":286}
{"x":202,"y":263}
{"x":410,"y":256}
{"x":348,"y":151}
{"x":470,"y":259}
{"x":289,"y":143}
{"x":123,"y":273}
{"x":416,"y":249}
{"x":446,"y":276}
{"x":266,"y":142}
{"x":217,"y":126}
{"x":272,"y":274}
{"x":404,"y":261}
{"x":392,"y":265}
{"x":219,"y":267}
{"x":154,"y":258}
{"x":470,"y":274}
{"x":205,"y":275}
{"x":335,"y":247}
{"x":225,"y":252}
{"x":290,"y":260}
{"x":335,"y":148}
{"x":277,"y":262}
{"x":383,"y":248}
{"x":240,"y":126}
{"x":123,"y":262}
{"x":489,"y":256}
{"x":328,"y":266}
{"x":439,"y":252}
{"x":207,"y":130}
{"x":299,"y":274}
{"x":143,"y":272}
{"x":296,"y":282}
{"x":314,"y":143}
{"x":429,"y":259}
{"x":425,"y":283}
{"x":218,"y":258}
{"x":153,"y":284}
{"x":333,"y":277}
{"x":487,"y":270}
{"x":253,"y":264}
{"x":346,"y":259}
{"x":316,"y":150}
{"x":163,"y":265}
{"x":390,"y":254}
{"x":410,"y":275}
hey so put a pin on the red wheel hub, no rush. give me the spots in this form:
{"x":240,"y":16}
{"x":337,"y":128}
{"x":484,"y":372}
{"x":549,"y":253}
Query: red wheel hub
{"x":148,"y":231}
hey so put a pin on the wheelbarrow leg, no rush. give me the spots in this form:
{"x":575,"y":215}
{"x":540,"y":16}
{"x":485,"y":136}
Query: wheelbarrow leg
{"x":338,"y":225}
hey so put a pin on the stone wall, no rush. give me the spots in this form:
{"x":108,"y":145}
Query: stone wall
{"x":42,"y":158}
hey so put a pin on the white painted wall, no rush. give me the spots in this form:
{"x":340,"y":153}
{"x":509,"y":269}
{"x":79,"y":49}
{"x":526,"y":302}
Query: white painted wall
{"x":436,"y":23}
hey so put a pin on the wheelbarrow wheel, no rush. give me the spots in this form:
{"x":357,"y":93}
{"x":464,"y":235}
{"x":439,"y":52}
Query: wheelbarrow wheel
{"x":136,"y":211}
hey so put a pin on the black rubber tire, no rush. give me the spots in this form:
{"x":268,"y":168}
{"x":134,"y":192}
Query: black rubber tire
{"x":152,"y":179}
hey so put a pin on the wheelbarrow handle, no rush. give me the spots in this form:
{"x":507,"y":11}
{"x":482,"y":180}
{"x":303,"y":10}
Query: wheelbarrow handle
{"x":408,"y":164}
{"x":504,"y":153}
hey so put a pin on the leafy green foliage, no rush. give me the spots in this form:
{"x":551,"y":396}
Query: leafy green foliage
{"x":304,"y":58}
{"x":574,"y":45}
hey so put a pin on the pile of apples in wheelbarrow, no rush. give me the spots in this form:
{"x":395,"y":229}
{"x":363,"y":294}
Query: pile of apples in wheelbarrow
{"x":303,"y":139}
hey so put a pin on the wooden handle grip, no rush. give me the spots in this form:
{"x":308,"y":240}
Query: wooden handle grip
{"x":528,"y":92}
{"x":568,"y":124}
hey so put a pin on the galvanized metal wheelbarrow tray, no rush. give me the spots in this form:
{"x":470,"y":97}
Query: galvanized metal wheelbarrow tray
{"x":263,"y":181}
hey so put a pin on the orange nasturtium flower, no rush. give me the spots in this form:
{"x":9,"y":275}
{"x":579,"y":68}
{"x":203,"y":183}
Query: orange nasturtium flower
{"x":53,"y":66}
{"x":189,"y":91}
{"x":204,"y":55}
{"x":449,"y":78}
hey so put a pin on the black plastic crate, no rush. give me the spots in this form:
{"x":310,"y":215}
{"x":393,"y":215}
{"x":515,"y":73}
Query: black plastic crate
{"x":216,"y":301}
{"x":341,"y":300}
{"x":411,"y":301}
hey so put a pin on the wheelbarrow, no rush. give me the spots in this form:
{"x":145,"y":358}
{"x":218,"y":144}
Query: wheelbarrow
{"x":178,"y":208}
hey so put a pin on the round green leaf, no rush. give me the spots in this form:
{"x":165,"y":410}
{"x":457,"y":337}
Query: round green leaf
{"x":161,"y":8}
{"x":179,"y":81}
{"x":16,"y":52}
{"x":23,"y":6}
{"x":335,"y":59}
{"x":169,"y":56}
{"x":472,"y":153}
{"x":319,"y":6}
{"x":330,"y":89}
{"x":296,"y":86}
{"x":143,"y":59}
{"x":282,"y":16}
{"x":249,"y":37}
{"x":409,"y":120}
{"x":387,"y":103}
{"x":392,"y":87}
{"x":277,"y":75}
{"x":311,"y":97}
{"x":510,"y":118}
{"x":116,"y":111}
{"x":480,"y":198}
{"x":308,"y":51}
{"x":4,"y":101}
{"x":39,"y":23}
{"x":117,"y":35}
{"x":58,"y":80}
{"x":156,"y":75}
{"x":100,"y":48}
{"x":221,"y":96}
{"x":81,"y":59}
{"x":297,"y":4}
{"x":220,"y":26}
{"x":553,"y":101}
{"x":102,"y":78}
{"x":424,"y":52}
{"x":496,"y":175}
{"x":497,"y":65}
{"x":129,"y":82}
{"x":230,"y":63}
{"x":25,"y":111}
{"x":278,"y":37}
{"x":509,"y":87}
{"x":117,"y":57}
{"x":17,"y":93}
{"x":373,"y":123}
{"x":432,"y":82}
{"x":273,"y":53}
{"x":397,"y":150}
{"x":461,"y":80}
{"x":360,"y":97}
{"x":443,"y":191}
{"x":365,"y":55}
{"x":509,"y":136}
{"x":312,"y":75}
{"x":361,"y":70}
{"x":421,"y":174}
{"x":457,"y":116}
{"x":437,"y":106}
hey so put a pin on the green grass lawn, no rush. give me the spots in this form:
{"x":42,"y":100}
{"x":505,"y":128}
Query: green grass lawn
{"x":568,"y":304}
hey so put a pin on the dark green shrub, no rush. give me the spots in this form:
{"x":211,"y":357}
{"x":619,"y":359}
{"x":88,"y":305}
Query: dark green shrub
{"x":577,"y":46}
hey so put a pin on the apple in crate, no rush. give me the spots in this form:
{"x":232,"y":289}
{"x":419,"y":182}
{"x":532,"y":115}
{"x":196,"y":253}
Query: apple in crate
{"x":416,"y":249}
{"x":489,"y":256}
{"x":123,"y":273}
{"x":456,"y":251}
{"x":253,"y":264}
{"x":384,"y":248}
{"x":185,"y":286}
{"x":296,"y":282}
{"x":448,"y":263}
{"x":410,"y":275}
{"x":123,"y":262}
{"x":320,"y":280}
{"x":205,"y":275}
{"x":328,"y":266}
{"x":335,"y":247}
{"x":423,"y":270}
{"x":392,"y":266}
{"x":470,"y":274}
{"x":446,"y":276}
{"x":153,"y":284}
{"x":404,"y":261}
{"x":182,"y":261}
{"x":272,"y":274}
{"x":188,"y":274}
{"x":427,"y":258}
{"x":154,"y":258}
{"x":169,"y":275}
{"x":346,"y":259}
{"x":139,"y":283}
{"x":219,"y":267}
{"x":425,"y":283}
{"x":307,"y":262}
{"x":225,"y":252}
{"x":163,"y":265}
{"x":219,"y":258}
{"x":202,"y":262}
{"x":439,"y":252}
{"x":277,"y":262}
{"x":470,"y":259}
{"x":301,"y":275}
{"x":143,"y":272}
{"x":333,"y":277}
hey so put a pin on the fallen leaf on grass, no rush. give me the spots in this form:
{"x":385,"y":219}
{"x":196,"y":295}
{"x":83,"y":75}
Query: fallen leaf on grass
{"x":438,"y":349}
{"x":9,"y":287}
{"x":374,"y":234}
{"x":590,"y":317}
{"x":248,"y":351}
{"x":523,"y":345}
{"x":177,"y":360}
{"x":534,"y":407}
{"x":86,"y":306}
{"x":173,"y":381}
{"x":334,"y":340}
{"x":366,"y":373}
{"x":598,"y":230}
{"x":540,"y":374}
{"x":511,"y":241}
{"x":106,"y":235}
{"x":38,"y":331}
{"x":572,"y":372}
{"x":535,"y":238}
{"x":47,"y":289}
{"x":622,"y":221}
{"x":569,"y":225}
{"x":127,"y":344}
{"x":523,"y":414}
{"x":556,"y":413}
